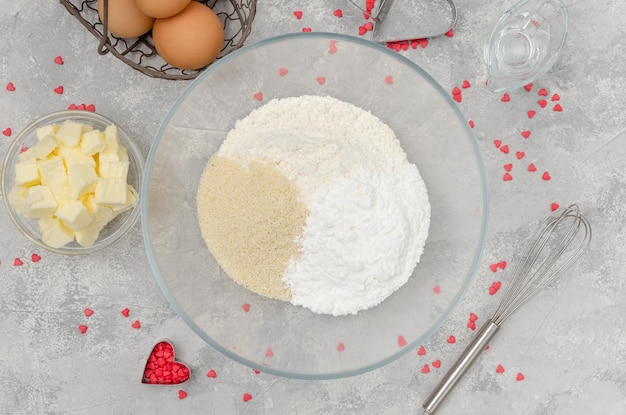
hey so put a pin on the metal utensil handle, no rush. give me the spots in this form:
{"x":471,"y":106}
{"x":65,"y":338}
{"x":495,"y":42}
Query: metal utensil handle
{"x":458,"y":369}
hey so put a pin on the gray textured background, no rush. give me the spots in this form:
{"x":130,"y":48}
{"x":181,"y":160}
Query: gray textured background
{"x":570,"y":343}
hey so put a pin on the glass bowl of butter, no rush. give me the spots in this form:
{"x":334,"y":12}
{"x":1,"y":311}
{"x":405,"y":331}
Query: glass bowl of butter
{"x":71,"y":182}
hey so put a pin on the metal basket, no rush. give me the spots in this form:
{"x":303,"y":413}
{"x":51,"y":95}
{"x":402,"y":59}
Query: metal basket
{"x":140,"y":53}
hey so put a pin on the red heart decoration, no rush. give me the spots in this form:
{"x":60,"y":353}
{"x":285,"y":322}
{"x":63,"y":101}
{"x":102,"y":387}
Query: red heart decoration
{"x":543,"y":92}
{"x":161,"y":369}
{"x":531,"y":113}
{"x":546,"y":176}
{"x":10,"y":87}
{"x":526,"y":133}
{"x":520,"y":155}
{"x":542,"y":103}
{"x":401,"y":341}
{"x":282,"y":71}
{"x":505,"y":98}
{"x":338,"y":13}
{"x":7,"y":132}
{"x":389,"y":79}
{"x":421,"y":351}
{"x":520,"y":377}
{"x":500,"y":369}
{"x":558,"y":108}
{"x":437,"y":363}
{"x":258,"y":96}
{"x":321,"y":80}
{"x":59,"y":89}
{"x":298,"y":14}
{"x":333,"y":47}
{"x":507,"y":177}
{"x":58,"y":60}
{"x":425,"y":369}
{"x":528,"y":87}
{"x":466,"y":84}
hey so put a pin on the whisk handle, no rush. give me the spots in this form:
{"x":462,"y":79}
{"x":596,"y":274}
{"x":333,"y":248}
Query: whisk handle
{"x":460,"y":366}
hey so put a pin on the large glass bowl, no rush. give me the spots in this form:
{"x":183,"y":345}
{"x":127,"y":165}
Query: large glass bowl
{"x":272,"y":335}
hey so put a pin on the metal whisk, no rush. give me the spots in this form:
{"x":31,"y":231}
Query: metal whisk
{"x":559,"y":241}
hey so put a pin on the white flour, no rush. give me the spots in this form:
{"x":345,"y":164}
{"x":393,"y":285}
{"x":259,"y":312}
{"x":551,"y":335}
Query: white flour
{"x":369,"y":210}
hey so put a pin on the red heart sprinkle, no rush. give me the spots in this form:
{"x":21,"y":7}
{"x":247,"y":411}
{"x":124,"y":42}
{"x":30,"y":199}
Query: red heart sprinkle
{"x":35,"y":258}
{"x":10,"y":87}
{"x":23,"y":149}
{"x":17,"y":262}
{"x":7,"y":132}
{"x":333,"y":47}
{"x":363,"y":30}
{"x":321,"y":80}
{"x":72,"y":107}
{"x":401,"y":341}
{"x":497,"y":143}
{"x":526,"y":134}
{"x":423,"y":43}
{"x":531,"y":167}
{"x":507,"y":177}
{"x":437,"y":289}
{"x":338,"y":13}
{"x":531,"y":113}
{"x":136,"y":324}
{"x":425,"y":369}
{"x":543,"y":92}
{"x":421,"y":351}
{"x":558,"y":108}
{"x":466,"y":84}
{"x":487,"y":347}
{"x":554,"y":206}
{"x":546,"y":176}
{"x":500,"y":369}
{"x":369,"y":26}
{"x":59,"y":89}
{"x":246,"y":307}
{"x":520,"y":155}
{"x":246,"y":397}
{"x":473,"y":317}
{"x":451,"y":339}
{"x":82,"y":328}
{"x":211,"y":374}
{"x":415,"y":43}
{"x":125,"y":312}
{"x":88,"y":312}
{"x":162,"y":368}
{"x":505,"y":149}
{"x":456,"y":91}
{"x":298,"y":14}
{"x":258,"y":96}
{"x":389,"y":79}
{"x":508,"y":167}
{"x":256,"y":371}
{"x":493,"y":267}
{"x":81,"y":107}
{"x":306,"y":29}
{"x":91,"y":108}
{"x":58,"y":60}
{"x":505,"y":97}
{"x":471,"y":325}
{"x":519,"y":377}
{"x":542,"y":103}
{"x":269,"y":352}
{"x":457,"y":97}
{"x":502,"y":265}
{"x":450,"y":33}
{"x":437,"y":363}
{"x":528,"y":87}
{"x":341,"y":347}
{"x":555,"y":97}
{"x":182,"y":394}
{"x":471,"y":123}
{"x":282,"y":71}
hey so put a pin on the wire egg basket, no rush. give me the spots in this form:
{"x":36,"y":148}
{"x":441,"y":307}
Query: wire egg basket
{"x":140,"y":53}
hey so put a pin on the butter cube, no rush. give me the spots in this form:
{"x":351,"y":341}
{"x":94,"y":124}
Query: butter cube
{"x":73,"y":155}
{"x":111,"y":139}
{"x":92,"y":142}
{"x":111,"y":191}
{"x":108,"y":158}
{"x":27,"y":155}
{"x":82,"y":179}
{"x":89,"y":234}
{"x":74,"y":215}
{"x":69,"y":133}
{"x":53,"y":175}
{"x":117,"y":169}
{"x":17,"y":198}
{"x":45,"y":146}
{"x":39,"y":202}
{"x":47,"y":130}
{"x":54,"y":233}
{"x":131,"y":200}
{"x":122,"y":153}
{"x":27,"y":173}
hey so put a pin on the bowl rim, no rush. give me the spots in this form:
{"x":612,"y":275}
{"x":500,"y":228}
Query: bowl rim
{"x":471,"y":273}
{"x":14,"y":149}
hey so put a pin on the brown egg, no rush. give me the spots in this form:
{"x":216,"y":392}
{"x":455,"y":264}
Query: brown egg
{"x":125,"y":19}
{"x":190,"y":39}
{"x":161,"y":8}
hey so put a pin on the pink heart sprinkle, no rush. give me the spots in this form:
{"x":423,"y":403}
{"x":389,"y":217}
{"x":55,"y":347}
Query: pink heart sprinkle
{"x":333,"y":47}
{"x":35,"y":258}
{"x":437,"y":289}
{"x":425,"y":369}
{"x":531,"y":113}
{"x":58,"y":60}
{"x":81,"y":107}
{"x":471,"y":325}
{"x":362,"y":30}
{"x":88,"y":312}
{"x":542,"y":103}
{"x":401,"y":341}
{"x":389,"y":79}
{"x":415,"y":43}
{"x":258,"y":96}
{"x":531,"y":167}
{"x":82,"y":328}
{"x":246,"y":307}
{"x":497,"y":285}
{"x":7,"y":132}
{"x":451,"y":339}
{"x":368,"y":26}
{"x":10,"y":87}
{"x":502,"y":265}
{"x":505,"y":98}
{"x":471,"y":123}
{"x":500,"y":369}
{"x":91,"y":108}
{"x":505,"y":149}
{"x":341,"y":347}
{"x":554,"y":206}
{"x":508,"y":167}
{"x":423,"y":43}
{"x":555,"y":97}
{"x":466,"y":84}
{"x":321,"y":80}
{"x":17,"y":262}
{"x":520,"y":377}
{"x":520,"y":155}
{"x":473,"y":317}
{"x":493,"y":267}
{"x":421,"y":351}
{"x":59,"y":89}
{"x":546,"y":176}
{"x":526,"y":134}
{"x":558,"y":108}
{"x":306,"y":29}
{"x":338,"y":13}
{"x":282,"y":72}
{"x":456,"y":91}
{"x":126,"y":312}
{"x":450,"y":33}
{"x":23,"y":149}
{"x":497,"y":143}
{"x":437,"y":363}
{"x":507,"y":177}
{"x":269,"y":352}
{"x":211,"y":374}
{"x":136,"y":324}
{"x":457,"y":97}
{"x":72,"y":107}
{"x":298,"y":14}
{"x":543,"y":92}
{"x":528,"y":87}
{"x":256,"y":371}
{"x":182,"y":394}
{"x":246,"y":397}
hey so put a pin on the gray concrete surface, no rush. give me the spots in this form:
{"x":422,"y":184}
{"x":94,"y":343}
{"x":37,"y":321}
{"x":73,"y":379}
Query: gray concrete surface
{"x":570,"y":344}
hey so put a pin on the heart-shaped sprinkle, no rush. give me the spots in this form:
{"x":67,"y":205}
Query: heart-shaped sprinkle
{"x":362,"y":30}
{"x":437,"y":289}
{"x":466,"y":84}
{"x":306,"y":29}
{"x":59,"y":89}
{"x":91,"y":108}
{"x":369,"y":26}
{"x":162,"y":368}
{"x":508,"y":167}
{"x":531,"y":167}
{"x":473,"y":317}
{"x":10,"y":87}
{"x":502,"y":265}
{"x":543,"y":92}
{"x":507,"y":177}
{"x":321,"y":80}
{"x":457,"y":97}
{"x":520,"y":377}
{"x":471,"y":123}
{"x":72,"y":107}
{"x":35,"y":258}
{"x":505,"y":149}
{"x":437,"y":363}
{"x":451,"y":339}
{"x":542,"y":103}
{"x":246,"y":307}
{"x":415,"y":43}
{"x":298,"y":14}
{"x":450,"y":33}
{"x":341,"y":347}
{"x":493,"y":267}
{"x":333,"y":47}
{"x":500,"y":369}
{"x":182,"y":394}
{"x":471,"y":325}
{"x":136,"y":324}
{"x":421,"y":351}
{"x":6,"y":132}
{"x":246,"y":397}
{"x":23,"y":149}
{"x":125,"y":312}
{"x":282,"y":72}
{"x":525,"y":133}
{"x":487,"y":347}
{"x":497,"y":143}
{"x":258,"y":96}
{"x":505,"y":98}
{"x":425,"y":369}
{"x":81,"y":107}
{"x":554,"y":206}
{"x":456,"y":91}
{"x":546,"y":176}
{"x":389,"y":80}
{"x":88,"y":312}
{"x":520,"y":155}
{"x":338,"y":13}
{"x":555,"y":97}
{"x":531,"y":113}
{"x":17,"y":262}
{"x":528,"y":87}
{"x":269,"y":352}
{"x":256,"y":371}
{"x":401,"y":341}
{"x":211,"y":374}
{"x":558,"y":108}
{"x":423,"y":43}
{"x":82,"y":328}
{"x":58,"y":60}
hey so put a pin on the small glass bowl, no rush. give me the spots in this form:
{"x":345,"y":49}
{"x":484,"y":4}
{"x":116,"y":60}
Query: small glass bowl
{"x":115,"y":229}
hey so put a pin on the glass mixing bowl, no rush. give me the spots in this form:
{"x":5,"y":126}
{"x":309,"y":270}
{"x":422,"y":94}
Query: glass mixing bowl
{"x":275,"y":336}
